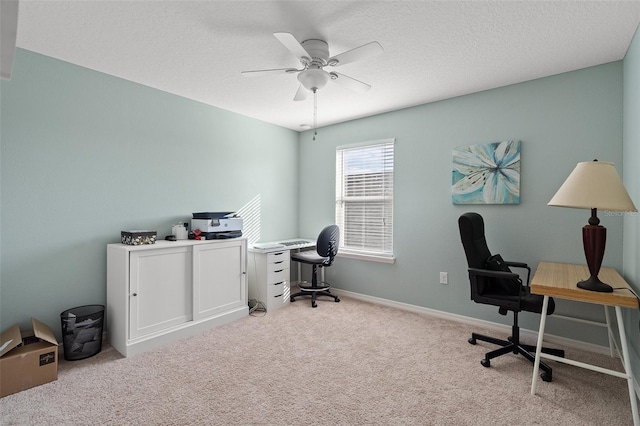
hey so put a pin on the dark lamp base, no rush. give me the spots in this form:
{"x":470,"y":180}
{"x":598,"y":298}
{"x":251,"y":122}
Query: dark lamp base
{"x":594,"y":284}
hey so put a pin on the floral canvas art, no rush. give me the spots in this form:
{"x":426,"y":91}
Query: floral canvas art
{"x":486,"y":174}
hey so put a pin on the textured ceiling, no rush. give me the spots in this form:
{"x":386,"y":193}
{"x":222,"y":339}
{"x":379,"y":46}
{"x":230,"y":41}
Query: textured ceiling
{"x":433,"y":49}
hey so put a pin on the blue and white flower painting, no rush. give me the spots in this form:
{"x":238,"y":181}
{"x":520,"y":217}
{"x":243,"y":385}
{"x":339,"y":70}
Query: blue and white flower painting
{"x":486,"y":174}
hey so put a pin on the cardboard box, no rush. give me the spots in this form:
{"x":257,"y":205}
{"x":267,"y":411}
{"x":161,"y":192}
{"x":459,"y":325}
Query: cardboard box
{"x":28,"y":358}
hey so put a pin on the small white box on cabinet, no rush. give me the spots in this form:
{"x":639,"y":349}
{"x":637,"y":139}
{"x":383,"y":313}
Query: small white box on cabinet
{"x":269,"y":278}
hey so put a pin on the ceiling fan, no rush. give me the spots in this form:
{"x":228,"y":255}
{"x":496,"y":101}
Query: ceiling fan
{"x":314,"y":57}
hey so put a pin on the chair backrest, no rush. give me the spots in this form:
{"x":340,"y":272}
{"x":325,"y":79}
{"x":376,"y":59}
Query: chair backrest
{"x":328,"y":242}
{"x":473,"y":240}
{"x":485,"y":289}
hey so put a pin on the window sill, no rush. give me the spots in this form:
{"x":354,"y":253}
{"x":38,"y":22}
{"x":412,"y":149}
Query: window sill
{"x":367,"y":257}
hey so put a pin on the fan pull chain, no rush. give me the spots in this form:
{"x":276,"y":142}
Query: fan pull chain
{"x":315,"y":113}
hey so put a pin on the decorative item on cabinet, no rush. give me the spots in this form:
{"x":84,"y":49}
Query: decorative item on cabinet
{"x":136,"y":238}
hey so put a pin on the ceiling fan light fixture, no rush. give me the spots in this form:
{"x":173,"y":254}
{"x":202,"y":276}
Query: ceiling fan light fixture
{"x":313,"y":79}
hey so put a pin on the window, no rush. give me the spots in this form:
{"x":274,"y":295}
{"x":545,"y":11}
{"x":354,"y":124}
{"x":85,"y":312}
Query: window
{"x":364,"y":199}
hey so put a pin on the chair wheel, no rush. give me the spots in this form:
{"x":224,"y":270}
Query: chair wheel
{"x":337,"y":299}
{"x":546,"y":377}
{"x":314,"y":305}
{"x":485,"y":363}
{"x":292,"y":299}
{"x":472,"y":341}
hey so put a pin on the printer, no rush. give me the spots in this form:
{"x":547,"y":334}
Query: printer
{"x":217,"y":225}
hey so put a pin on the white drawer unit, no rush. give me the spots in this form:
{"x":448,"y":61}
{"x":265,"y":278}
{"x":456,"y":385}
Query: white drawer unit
{"x":269,"y":277}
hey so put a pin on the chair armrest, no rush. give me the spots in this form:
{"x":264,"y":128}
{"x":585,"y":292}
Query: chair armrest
{"x":513,"y":282}
{"x":493,"y":274}
{"x":520,"y":265}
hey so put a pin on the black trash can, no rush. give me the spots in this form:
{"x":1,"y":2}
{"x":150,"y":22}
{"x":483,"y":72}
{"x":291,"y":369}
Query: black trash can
{"x":82,"y":331}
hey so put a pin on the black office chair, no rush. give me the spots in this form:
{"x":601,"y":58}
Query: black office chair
{"x":493,"y":283}
{"x":326,"y":250}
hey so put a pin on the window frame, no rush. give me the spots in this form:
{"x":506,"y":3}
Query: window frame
{"x":381,"y":253}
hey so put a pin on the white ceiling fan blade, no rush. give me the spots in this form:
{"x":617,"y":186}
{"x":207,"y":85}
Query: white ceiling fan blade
{"x":290,"y":42}
{"x":349,"y":83}
{"x":365,"y":51}
{"x":271,"y":71}
{"x":301,"y":94}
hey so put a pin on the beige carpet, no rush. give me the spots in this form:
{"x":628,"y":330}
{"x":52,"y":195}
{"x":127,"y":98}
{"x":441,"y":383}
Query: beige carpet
{"x":347,"y":363}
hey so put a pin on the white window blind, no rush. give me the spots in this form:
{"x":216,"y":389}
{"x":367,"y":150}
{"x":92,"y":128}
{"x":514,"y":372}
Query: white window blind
{"x":364,"y":198}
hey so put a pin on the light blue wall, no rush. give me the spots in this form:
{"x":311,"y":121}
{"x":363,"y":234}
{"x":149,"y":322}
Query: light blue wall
{"x":86,"y":155}
{"x":561,"y":120}
{"x":631,"y":178}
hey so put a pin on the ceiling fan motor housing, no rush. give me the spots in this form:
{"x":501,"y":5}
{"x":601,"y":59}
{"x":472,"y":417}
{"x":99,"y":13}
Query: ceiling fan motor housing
{"x":318,"y":50}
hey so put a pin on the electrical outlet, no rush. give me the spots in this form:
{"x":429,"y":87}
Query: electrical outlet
{"x":444,"y":278}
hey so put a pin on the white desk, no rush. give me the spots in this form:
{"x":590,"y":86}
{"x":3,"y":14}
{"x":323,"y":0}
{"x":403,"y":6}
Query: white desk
{"x":559,"y":280}
{"x":269,"y":271}
{"x":290,"y":244}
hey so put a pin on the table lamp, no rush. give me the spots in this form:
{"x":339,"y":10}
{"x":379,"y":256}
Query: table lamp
{"x":594,"y":185}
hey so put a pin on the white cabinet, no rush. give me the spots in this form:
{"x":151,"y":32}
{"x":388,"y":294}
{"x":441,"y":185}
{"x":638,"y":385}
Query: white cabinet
{"x":269,"y":277}
{"x":163,"y":292}
{"x":160,"y":286}
{"x":218,"y":270}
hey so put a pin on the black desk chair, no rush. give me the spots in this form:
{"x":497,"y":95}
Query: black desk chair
{"x":326,"y":250}
{"x":493,"y":283}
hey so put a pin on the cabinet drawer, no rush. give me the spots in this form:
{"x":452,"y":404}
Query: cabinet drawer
{"x":274,"y":277}
{"x":278,"y":266}
{"x":277,"y":255}
{"x":279,"y":296}
{"x":277,"y":290}
{"x":278,"y":260}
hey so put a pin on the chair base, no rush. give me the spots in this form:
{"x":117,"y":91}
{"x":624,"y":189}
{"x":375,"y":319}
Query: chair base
{"x":515,"y":347}
{"x":314,"y":290}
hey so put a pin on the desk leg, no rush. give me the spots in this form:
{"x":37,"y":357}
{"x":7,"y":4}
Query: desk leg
{"x":609,"y":331}
{"x":627,"y":367}
{"x":536,"y":364}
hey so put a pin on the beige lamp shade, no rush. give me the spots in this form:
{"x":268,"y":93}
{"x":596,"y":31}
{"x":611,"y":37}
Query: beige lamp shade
{"x":594,"y":185}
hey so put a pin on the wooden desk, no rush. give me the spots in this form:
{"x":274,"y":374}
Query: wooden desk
{"x":559,"y":280}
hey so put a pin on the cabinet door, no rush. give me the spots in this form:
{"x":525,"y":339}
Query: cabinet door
{"x":160,"y":289}
{"x":219,"y":277}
